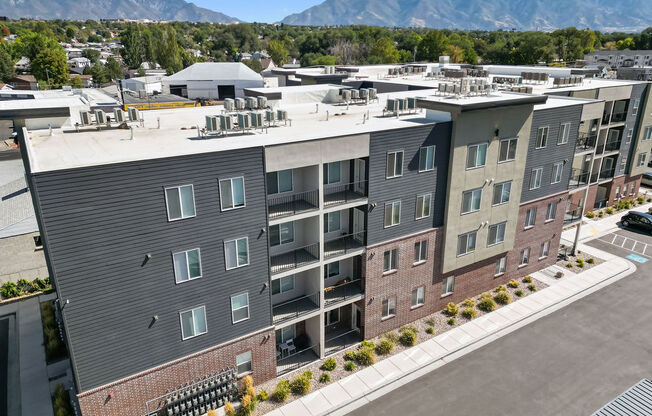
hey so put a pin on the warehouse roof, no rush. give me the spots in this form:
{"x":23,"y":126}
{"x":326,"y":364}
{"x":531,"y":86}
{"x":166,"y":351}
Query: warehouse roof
{"x":210,"y":71}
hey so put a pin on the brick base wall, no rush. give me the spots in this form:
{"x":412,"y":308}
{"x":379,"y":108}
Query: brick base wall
{"x":131,"y":394}
{"x":590,"y":198}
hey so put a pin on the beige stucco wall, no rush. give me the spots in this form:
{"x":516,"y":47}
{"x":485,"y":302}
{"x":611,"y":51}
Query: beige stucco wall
{"x":615,"y":93}
{"x":21,"y":259}
{"x":640,"y":145}
{"x":477,"y":127}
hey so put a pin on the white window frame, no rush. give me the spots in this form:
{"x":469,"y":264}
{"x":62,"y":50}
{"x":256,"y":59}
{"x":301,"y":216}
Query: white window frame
{"x":390,"y":305}
{"x":500,"y":266}
{"x":394,"y":174}
{"x":424,"y":197}
{"x":447,"y":285}
{"x":185,"y":253}
{"x":647,"y":133}
{"x":327,"y":217}
{"x":635,"y":105}
{"x":502,"y":193}
{"x":280,"y":284}
{"x":427,"y":149}
{"x":244,"y":195}
{"x":473,"y":193}
{"x":640,"y":160}
{"x":392,"y":205}
{"x":544,"y":250}
{"x":536,"y":178}
{"x":393,"y":261}
{"x":498,"y":226}
{"x":557,"y":172}
{"x":551,"y":211}
{"x":418,"y":297}
{"x":167,"y":205}
{"x":420,"y":251}
{"x":628,"y":137}
{"x":242,"y":307}
{"x":509,"y":143}
{"x":524,"y":257}
{"x":249,"y":361}
{"x":235,"y":241}
{"x":529,"y":217}
{"x":564,"y":133}
{"x":542,"y":137}
{"x":280,"y":238}
{"x":192,"y":312}
{"x":468,"y":152}
{"x":467,"y":250}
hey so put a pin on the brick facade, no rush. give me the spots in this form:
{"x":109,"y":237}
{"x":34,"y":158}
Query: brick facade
{"x":131,"y":394}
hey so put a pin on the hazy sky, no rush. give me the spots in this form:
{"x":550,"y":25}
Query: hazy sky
{"x":257,"y":10}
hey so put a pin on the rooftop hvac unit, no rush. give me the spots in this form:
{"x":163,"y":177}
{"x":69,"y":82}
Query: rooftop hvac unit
{"x":364,"y":93}
{"x":118,"y":115}
{"x":270,"y":116}
{"x":402,"y":104}
{"x":226,"y":123}
{"x":229,"y":104}
{"x":142,"y":94}
{"x":239,"y":103}
{"x":262,"y":101}
{"x":392,"y":105}
{"x":346,"y":95}
{"x":244,"y":122}
{"x":355,"y":94}
{"x":412,"y":103}
{"x":133,"y":114}
{"x":85,"y":117}
{"x":256,"y":119}
{"x":372,"y":93}
{"x":281,"y":115}
{"x":252,"y":102}
{"x":211,"y":123}
{"x":100,"y":117}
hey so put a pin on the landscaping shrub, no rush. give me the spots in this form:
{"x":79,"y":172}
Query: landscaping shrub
{"x":430,"y":321}
{"x":500,"y":288}
{"x":367,"y":344}
{"x":649,"y":200}
{"x":329,"y":365}
{"x":452,"y":309}
{"x":513,"y":283}
{"x":590,"y":214}
{"x":408,"y":338}
{"x":324,"y":378}
{"x":229,"y":410}
{"x":569,"y":266}
{"x":469,"y":303}
{"x":519,"y":293}
{"x":349,"y":355}
{"x":282,"y":391}
{"x":532,"y":288}
{"x":54,"y":347}
{"x":251,"y":392}
{"x":609,"y":211}
{"x":246,"y":403}
{"x":365,"y":356}
{"x":486,"y":304}
{"x":408,"y":328}
{"x":211,"y":412}
{"x":392,"y":336}
{"x":25,"y":286}
{"x":9,"y":290}
{"x":600,"y":214}
{"x":580,"y":263}
{"x":247,"y":382}
{"x":301,"y":384}
{"x":527,"y":279}
{"x":384,"y":347}
{"x":349,"y":366}
{"x":61,"y":401}
{"x":39,"y":284}
{"x":559,"y":274}
{"x":469,"y":313}
{"x":590,"y":261}
{"x":503,"y":298}
{"x":640,"y":199}
{"x":451,"y":321}
{"x":263,"y":395}
{"x":430,"y":330}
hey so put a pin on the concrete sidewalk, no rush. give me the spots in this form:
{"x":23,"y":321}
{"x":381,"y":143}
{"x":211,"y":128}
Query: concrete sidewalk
{"x":359,"y":388}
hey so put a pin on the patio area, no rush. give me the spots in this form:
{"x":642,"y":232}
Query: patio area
{"x":341,"y":338}
{"x":295,"y":308}
{"x":342,"y":292}
{"x":294,"y":259}
{"x":292,"y":362}
{"x":343,"y":245}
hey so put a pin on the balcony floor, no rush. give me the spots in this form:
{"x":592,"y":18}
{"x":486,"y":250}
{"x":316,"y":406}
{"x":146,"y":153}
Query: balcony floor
{"x":289,"y":208}
{"x":295,"y":361}
{"x":342,"y":197}
{"x":293,"y":309}
{"x":341,"y":246}
{"x":340,"y":293}
{"x":338,"y":339}
{"x":291,"y":260}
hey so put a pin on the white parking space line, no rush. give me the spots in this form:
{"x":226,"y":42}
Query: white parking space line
{"x":628,"y":244}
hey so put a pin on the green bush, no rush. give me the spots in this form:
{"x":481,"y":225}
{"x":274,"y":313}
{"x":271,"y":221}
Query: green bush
{"x":500,"y":288}
{"x":430,"y":330}
{"x":365,"y":356}
{"x":486,"y":304}
{"x":569,"y":265}
{"x":600,"y":214}
{"x":263,"y":395}
{"x":527,"y":279}
{"x":384,"y":347}
{"x":301,"y":384}
{"x":649,"y":200}
{"x":411,"y":328}
{"x":54,"y":346}
{"x":408,"y":338}
{"x":513,"y":283}
{"x":9,"y":290}
{"x":590,"y":261}
{"x":451,"y":309}
{"x":349,"y":355}
{"x":324,"y":378}
{"x":590,"y":214}
{"x":519,"y":293}
{"x":469,"y":303}
{"x":61,"y":402}
{"x":609,"y":211}
{"x":349,"y":366}
{"x":25,"y":286}
{"x":430,"y":321}
{"x":451,"y":321}
{"x":640,"y":199}
{"x":469,"y":313}
{"x":329,"y":365}
{"x":532,"y":288}
{"x":39,"y":284}
{"x":391,"y":336}
{"x":503,"y":298}
{"x":367,"y":344}
{"x":282,"y":391}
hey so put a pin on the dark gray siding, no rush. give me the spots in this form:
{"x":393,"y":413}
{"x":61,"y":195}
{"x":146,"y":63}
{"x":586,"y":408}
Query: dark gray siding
{"x":100,"y":222}
{"x":552,"y":153}
{"x":626,"y":149}
{"x":412,"y":183}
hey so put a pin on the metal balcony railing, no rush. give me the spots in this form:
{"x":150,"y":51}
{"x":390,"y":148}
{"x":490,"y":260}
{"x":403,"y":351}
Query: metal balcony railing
{"x":344,"y":244}
{"x":607,"y":173}
{"x":297,"y":360}
{"x":600,"y":203}
{"x":578,"y":178}
{"x":573,"y":214}
{"x":341,"y":339}
{"x":605,"y":118}
{"x":612,"y":145}
{"x":279,"y":206}
{"x":585,"y":141}
{"x":295,"y":308}
{"x":336,"y":194}
{"x":294,"y":259}
{"x":619,"y":117}
{"x":343,"y":292}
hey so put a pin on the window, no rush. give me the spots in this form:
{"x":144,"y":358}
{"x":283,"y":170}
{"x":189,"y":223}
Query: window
{"x":332,"y":317}
{"x":232,"y":193}
{"x":507,"y":150}
{"x":466,"y":243}
{"x":564,"y":133}
{"x":530,"y":217}
{"x":496,"y":233}
{"x":283,"y":285}
{"x":471,"y":201}
{"x":557,"y":171}
{"x":281,"y":233}
{"x":187,"y":265}
{"x":332,"y":173}
{"x":630,"y":134}
{"x":545,"y":246}
{"x":501,"y":193}
{"x":418,"y":296}
{"x":635,"y":107}
{"x":236,"y":253}
{"x":332,"y":269}
{"x":542,"y":137}
{"x":447,"y":285}
{"x":631,"y":189}
{"x":331,"y":222}
{"x":390,"y":260}
{"x":476,"y":156}
{"x":180,"y":201}
{"x":279,"y":182}
{"x":535,"y":178}
{"x":641,"y":160}
{"x":240,"y":307}
{"x":647,"y":135}
{"x":423,"y":206}
{"x":426,"y":158}
{"x":420,"y":251}
{"x":243,"y":362}
{"x":617,"y":192}
{"x":193,"y":322}
{"x":389,"y":308}
{"x":286,"y":333}
{"x":394,"y":164}
{"x":551,"y":211}
{"x":392,"y":213}
{"x":500,"y":265}
{"x":525,"y":257}
{"x":623,"y":162}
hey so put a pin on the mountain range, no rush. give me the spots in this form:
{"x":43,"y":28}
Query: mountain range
{"x":604,"y":15}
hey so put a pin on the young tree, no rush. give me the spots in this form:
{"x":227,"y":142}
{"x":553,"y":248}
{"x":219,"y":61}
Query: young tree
{"x":7,"y":71}
{"x":278,"y":52}
{"x":254,"y":64}
{"x":92,"y":54}
{"x":51,"y":65}
{"x":433,"y":45}
{"x":384,"y":50}
{"x":133,"y":48}
{"x":113,"y":69}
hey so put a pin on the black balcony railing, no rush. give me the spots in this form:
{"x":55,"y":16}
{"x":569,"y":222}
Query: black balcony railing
{"x":344,"y":244}
{"x":618,"y":117}
{"x":284,"y":205}
{"x":296,"y":360}
{"x":585,"y":141}
{"x":294,"y":259}
{"x":341,"y":339}
{"x":612,"y":145}
{"x":599,"y":204}
{"x":339,"y":193}
{"x":594,"y":177}
{"x":343,"y":292}
{"x":578,"y":178}
{"x":607,"y":173}
{"x":295,"y":308}
{"x":573,"y":214}
{"x":605,"y":118}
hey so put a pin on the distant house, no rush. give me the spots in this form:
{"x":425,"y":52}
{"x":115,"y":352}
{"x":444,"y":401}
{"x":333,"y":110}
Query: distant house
{"x":73,"y":52}
{"x":151,"y":84}
{"x":24,"y":82}
{"x":212,"y":80}
{"x":23,"y":64}
{"x":79,"y":63}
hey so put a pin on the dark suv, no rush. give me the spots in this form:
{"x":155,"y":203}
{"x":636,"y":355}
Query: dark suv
{"x":640,"y":220}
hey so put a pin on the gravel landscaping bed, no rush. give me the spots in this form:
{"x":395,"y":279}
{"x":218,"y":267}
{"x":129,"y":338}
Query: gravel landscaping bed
{"x":439,"y":321}
{"x":587,"y":262}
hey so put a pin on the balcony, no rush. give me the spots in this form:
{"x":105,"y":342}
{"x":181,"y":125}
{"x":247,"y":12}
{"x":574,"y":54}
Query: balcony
{"x":339,"y":337}
{"x":285,"y":364}
{"x":612,"y":145}
{"x":295,"y":308}
{"x":605,"y":118}
{"x":344,"y":244}
{"x":341,"y":292}
{"x":585,"y":142}
{"x":338,"y":194}
{"x":578,"y":178}
{"x":607,"y":173}
{"x":619,"y":117}
{"x":285,"y":205}
{"x":573,"y":214}
{"x":294,"y":259}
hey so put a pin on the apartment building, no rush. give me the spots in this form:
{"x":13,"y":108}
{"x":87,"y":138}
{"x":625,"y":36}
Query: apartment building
{"x":179,"y":253}
{"x":617,"y":59}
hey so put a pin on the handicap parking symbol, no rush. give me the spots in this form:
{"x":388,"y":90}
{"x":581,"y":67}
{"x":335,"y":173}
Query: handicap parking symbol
{"x":637,"y":258}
